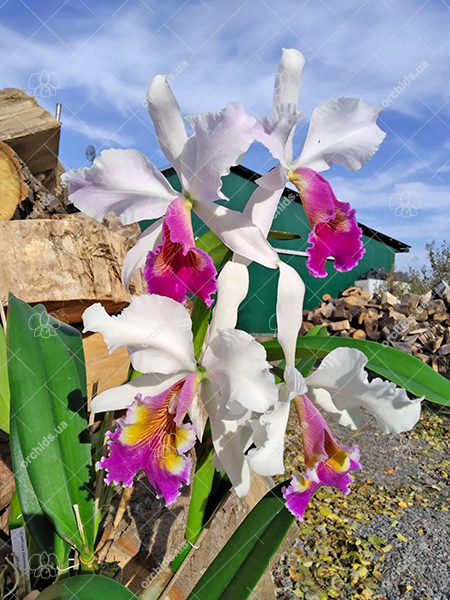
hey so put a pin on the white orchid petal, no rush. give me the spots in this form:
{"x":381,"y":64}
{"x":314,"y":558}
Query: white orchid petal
{"x":135,"y":258}
{"x":269,"y":437}
{"x":156,"y":331}
{"x":294,"y":382}
{"x":198,"y":415}
{"x":237,"y":365}
{"x":118,"y":398}
{"x":167,"y":119}
{"x":231,"y":439}
{"x":342,"y":374}
{"x":220,"y":141}
{"x":289,"y":77}
{"x":262,"y":204}
{"x":232,"y":289}
{"x":291,"y":292}
{"x":342,"y":131}
{"x":353,"y":418}
{"x":276,"y":133}
{"x":238,"y":233}
{"x":123,"y":181}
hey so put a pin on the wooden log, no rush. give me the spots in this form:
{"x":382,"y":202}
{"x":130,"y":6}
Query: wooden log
{"x":385,"y":319}
{"x":436,"y":306}
{"x":362,"y":315}
{"x":411,"y":301}
{"x":316,"y":318}
{"x":425,"y":298}
{"x":306,"y":327}
{"x":370,"y":324}
{"x":389,"y":299}
{"x":340,"y":313}
{"x":419,"y":331}
{"x":398,"y":316}
{"x":351,"y":291}
{"x":339,"y":325}
{"x":14,"y":190}
{"x":327,"y":311}
{"x":23,"y":195}
{"x":440,"y":316}
{"x":355,"y":311}
{"x":327,"y":298}
{"x":422,"y":315}
{"x":423,"y":357}
{"x":387,"y":332}
{"x":374,"y":313}
{"x":29,"y":129}
{"x":350,"y":301}
{"x":61,"y":261}
{"x":374,"y":336}
{"x":405,"y":347}
{"x":359,"y":334}
{"x":431,"y":340}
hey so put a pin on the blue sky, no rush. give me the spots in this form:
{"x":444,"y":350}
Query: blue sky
{"x":103,"y":54}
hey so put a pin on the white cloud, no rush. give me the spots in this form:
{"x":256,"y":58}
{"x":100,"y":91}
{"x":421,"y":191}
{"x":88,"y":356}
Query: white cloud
{"x":235,"y":51}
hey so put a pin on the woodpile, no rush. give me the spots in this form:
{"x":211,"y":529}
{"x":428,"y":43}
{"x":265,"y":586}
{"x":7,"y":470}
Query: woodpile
{"x":417,"y":324}
{"x":30,"y":171}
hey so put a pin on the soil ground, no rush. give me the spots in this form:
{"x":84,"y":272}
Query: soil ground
{"x":389,"y":538}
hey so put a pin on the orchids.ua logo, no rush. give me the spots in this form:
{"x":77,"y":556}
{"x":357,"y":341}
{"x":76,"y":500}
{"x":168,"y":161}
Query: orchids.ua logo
{"x":404,"y":83}
{"x":43,"y":444}
{"x":165,"y":563}
{"x":403,"y":446}
{"x":405,"y":204}
{"x":44,"y":565}
{"x":285,"y":84}
{"x":44,"y":84}
{"x":42,"y":326}
{"x":170,"y":77}
{"x":286,"y":565}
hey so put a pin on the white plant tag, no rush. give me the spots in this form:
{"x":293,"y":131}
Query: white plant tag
{"x":20,"y":549}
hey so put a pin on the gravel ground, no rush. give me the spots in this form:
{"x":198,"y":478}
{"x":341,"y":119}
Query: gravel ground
{"x":389,"y":538}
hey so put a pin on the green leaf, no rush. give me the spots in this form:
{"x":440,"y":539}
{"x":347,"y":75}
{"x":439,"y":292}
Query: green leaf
{"x":403,"y":369}
{"x":200,"y":321}
{"x":72,"y":340}
{"x":282,"y":235}
{"x":242,"y":562}
{"x":4,"y":384}
{"x":201,"y":490}
{"x":87,"y":587}
{"x":305,"y":365}
{"x":48,"y":410}
{"x":27,"y":509}
{"x":212,"y":244}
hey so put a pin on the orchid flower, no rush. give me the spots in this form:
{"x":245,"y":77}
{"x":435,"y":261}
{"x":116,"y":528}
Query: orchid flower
{"x":127,"y":183}
{"x":232,"y":379}
{"x":342,"y":131}
{"x":339,"y":386}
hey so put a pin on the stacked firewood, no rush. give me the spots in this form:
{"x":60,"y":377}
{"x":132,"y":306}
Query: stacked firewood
{"x":417,"y":324}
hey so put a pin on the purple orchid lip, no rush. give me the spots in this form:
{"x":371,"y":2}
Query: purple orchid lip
{"x":177,"y":267}
{"x":335,"y":230}
{"x":326,"y":462}
{"x":153,"y":439}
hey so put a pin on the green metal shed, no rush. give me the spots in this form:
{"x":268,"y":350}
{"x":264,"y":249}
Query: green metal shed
{"x":257,"y":312}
